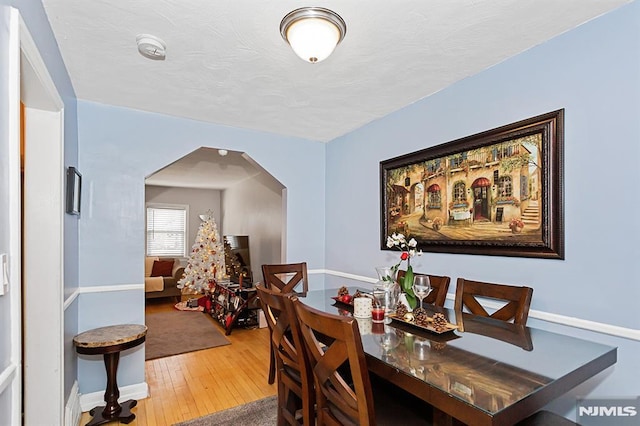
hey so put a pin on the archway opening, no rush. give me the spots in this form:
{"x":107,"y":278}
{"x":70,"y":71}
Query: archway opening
{"x":242,"y":197}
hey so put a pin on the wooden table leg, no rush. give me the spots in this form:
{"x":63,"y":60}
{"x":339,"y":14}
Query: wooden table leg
{"x":112,"y":410}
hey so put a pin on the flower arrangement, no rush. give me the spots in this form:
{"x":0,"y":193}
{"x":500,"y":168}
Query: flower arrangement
{"x":409,"y":250}
{"x":516,"y":223}
{"x":508,"y":200}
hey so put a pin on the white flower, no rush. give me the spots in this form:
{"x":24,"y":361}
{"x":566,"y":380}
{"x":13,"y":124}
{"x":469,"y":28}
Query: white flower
{"x":399,"y":241}
{"x":389,"y":242}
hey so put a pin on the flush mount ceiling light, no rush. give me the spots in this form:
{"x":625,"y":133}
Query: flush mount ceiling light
{"x":151,"y":47}
{"x":222,"y":152}
{"x":313,"y":32}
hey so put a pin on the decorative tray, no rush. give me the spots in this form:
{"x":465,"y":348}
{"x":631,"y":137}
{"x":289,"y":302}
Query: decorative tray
{"x":429,"y":327}
{"x":358,"y":293}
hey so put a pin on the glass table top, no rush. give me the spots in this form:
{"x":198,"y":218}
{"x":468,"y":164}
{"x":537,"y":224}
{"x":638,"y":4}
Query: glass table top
{"x":486,"y":363}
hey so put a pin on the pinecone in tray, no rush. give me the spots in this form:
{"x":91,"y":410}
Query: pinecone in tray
{"x":401,"y":310}
{"x":342,"y":291}
{"x":439,"y":322}
{"x":421,"y":316}
{"x":419,"y":311}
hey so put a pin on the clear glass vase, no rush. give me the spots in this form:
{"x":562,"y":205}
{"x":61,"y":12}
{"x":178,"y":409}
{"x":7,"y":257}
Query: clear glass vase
{"x":386,"y":290}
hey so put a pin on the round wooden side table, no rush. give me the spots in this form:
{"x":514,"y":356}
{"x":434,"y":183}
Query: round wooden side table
{"x":110,"y":341}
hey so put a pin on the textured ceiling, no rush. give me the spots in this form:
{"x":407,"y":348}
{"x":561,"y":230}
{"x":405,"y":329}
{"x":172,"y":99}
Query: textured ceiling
{"x":227,"y":64}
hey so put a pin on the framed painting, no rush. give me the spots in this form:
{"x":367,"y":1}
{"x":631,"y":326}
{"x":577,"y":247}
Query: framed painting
{"x":499,"y":192}
{"x":74,"y":189}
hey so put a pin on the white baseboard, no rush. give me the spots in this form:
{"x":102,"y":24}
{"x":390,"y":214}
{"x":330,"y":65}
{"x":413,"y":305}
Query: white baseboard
{"x":94,"y":399}
{"x":72,"y":411}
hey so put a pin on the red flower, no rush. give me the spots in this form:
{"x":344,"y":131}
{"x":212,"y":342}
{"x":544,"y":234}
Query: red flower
{"x":404,"y":255}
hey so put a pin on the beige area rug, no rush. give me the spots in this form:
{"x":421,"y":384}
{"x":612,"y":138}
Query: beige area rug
{"x":257,"y":413}
{"x":177,"y":332}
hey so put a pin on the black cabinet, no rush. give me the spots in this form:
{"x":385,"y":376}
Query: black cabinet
{"x":234,"y":306}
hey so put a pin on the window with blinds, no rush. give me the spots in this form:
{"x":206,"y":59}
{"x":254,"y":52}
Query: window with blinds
{"x":166,"y":230}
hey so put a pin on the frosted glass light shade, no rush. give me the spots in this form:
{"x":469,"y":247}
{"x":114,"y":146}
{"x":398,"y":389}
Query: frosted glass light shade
{"x":313,"y":39}
{"x":313,"y":32}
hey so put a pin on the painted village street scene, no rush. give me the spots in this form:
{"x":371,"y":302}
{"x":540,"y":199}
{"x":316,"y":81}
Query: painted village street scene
{"x":490,"y":193}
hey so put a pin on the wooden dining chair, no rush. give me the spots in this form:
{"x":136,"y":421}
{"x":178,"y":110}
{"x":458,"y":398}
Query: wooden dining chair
{"x":286,"y":278}
{"x":517,"y":298}
{"x":332,"y":341}
{"x":296,"y":397}
{"x":439,"y":284}
{"x":344,"y":392}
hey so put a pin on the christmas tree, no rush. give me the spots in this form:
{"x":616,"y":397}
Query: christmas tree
{"x":206,"y":262}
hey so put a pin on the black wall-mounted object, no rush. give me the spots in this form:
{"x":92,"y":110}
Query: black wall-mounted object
{"x":74,"y":190}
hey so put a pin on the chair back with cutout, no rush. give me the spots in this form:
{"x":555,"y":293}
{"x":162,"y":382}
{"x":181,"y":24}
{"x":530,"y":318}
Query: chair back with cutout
{"x":286,"y":278}
{"x":517,"y":298}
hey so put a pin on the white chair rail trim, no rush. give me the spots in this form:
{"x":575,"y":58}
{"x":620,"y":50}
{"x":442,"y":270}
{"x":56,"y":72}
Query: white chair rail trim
{"x":101,"y":289}
{"x":6,"y":376}
{"x":598,"y":327}
{"x":69,"y":300}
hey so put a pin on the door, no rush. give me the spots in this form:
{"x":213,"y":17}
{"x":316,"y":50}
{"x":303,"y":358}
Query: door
{"x":480,"y":203}
{"x":43,"y":242}
{"x":10,"y":223}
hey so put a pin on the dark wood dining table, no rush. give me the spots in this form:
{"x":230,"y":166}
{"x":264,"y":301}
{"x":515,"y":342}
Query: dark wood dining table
{"x":484,"y":372}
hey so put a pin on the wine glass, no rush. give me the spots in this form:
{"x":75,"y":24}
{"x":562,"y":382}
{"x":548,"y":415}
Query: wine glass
{"x":421,"y":287}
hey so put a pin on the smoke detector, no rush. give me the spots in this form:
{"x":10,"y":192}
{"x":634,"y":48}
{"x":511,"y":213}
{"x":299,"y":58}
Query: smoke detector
{"x":151,"y":47}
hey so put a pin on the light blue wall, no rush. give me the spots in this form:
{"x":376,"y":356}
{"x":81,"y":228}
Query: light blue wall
{"x":593,"y":72}
{"x":100,"y":310}
{"x":119,"y":147}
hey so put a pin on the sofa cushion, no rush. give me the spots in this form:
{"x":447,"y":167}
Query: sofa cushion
{"x":162,"y":268}
{"x":148,"y":265}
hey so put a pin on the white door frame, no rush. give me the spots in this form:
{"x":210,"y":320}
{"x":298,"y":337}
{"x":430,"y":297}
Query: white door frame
{"x":11,"y":374}
{"x":43,"y":239}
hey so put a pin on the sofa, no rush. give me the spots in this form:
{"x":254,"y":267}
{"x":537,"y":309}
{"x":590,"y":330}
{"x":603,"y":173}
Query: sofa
{"x":161,"y":276}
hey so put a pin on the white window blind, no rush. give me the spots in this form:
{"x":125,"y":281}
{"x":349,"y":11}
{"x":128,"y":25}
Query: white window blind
{"x":166,"y":231}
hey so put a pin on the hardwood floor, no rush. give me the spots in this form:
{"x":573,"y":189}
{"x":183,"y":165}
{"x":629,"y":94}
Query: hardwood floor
{"x":186,"y":386}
